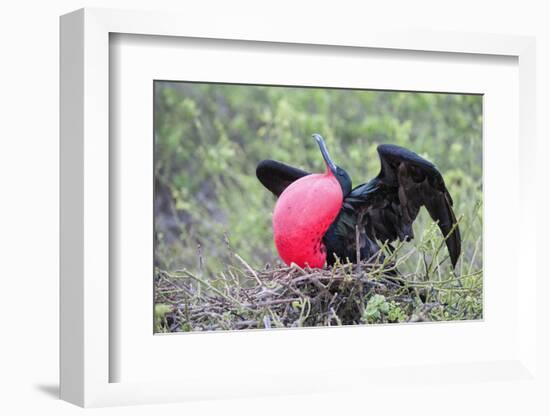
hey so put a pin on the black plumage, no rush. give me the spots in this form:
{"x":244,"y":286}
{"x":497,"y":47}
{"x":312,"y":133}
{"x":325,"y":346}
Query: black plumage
{"x":383,"y":209}
{"x":276,"y":176}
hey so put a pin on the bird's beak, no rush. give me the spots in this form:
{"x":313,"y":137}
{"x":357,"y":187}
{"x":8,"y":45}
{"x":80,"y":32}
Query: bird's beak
{"x":321,"y":142}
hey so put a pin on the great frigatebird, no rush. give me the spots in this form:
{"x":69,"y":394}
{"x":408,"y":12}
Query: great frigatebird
{"x":318,"y":218}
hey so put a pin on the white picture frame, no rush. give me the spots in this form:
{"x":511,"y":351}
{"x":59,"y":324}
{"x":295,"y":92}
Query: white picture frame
{"x":87,"y":308}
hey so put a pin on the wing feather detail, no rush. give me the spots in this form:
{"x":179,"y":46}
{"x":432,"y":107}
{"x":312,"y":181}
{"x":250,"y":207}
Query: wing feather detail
{"x":391,"y":201}
{"x":277,"y":176}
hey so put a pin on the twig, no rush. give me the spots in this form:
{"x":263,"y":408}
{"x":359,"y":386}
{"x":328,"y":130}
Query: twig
{"x":250,"y":269}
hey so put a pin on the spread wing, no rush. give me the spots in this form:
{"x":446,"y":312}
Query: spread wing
{"x":390,"y":202}
{"x":276,"y":176}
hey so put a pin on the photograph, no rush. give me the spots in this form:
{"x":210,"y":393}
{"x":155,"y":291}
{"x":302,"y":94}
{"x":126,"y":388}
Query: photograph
{"x":294,"y":207}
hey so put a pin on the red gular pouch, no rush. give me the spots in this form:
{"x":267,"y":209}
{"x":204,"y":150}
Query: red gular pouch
{"x":302,"y":216}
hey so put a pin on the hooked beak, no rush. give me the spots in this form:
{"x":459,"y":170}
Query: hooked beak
{"x":321,"y":142}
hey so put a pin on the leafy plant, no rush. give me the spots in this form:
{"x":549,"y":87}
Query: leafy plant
{"x":377,"y":308}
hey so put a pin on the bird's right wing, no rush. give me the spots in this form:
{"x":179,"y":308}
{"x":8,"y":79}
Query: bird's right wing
{"x":276,"y":176}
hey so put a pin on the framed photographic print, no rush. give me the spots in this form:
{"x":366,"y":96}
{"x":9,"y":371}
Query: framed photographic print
{"x":286,"y":213}
{"x":216,"y":264}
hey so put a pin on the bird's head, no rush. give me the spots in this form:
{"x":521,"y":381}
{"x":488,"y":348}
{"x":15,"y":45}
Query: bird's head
{"x":305,"y":211}
{"x":340,"y":174}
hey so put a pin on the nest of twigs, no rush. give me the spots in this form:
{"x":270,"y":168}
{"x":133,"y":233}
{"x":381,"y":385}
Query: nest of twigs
{"x":283,"y":297}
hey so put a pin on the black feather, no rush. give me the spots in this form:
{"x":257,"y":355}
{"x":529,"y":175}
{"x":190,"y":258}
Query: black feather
{"x":276,"y":176}
{"x":387,"y":206}
{"x":383,"y":209}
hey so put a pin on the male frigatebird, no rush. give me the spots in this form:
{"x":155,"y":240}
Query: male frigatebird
{"x":318,"y":218}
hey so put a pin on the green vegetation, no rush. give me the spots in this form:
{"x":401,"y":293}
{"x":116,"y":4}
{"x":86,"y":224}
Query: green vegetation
{"x":209,"y":206}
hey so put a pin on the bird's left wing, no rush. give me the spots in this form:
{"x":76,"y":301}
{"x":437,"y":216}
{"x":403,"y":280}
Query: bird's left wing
{"x":276,"y":176}
{"x":391,"y":201}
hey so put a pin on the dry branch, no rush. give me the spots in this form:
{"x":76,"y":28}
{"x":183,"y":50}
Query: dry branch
{"x":291,"y":296}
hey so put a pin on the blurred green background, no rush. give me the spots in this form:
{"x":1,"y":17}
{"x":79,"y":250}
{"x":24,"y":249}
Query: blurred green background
{"x":210,"y":137}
